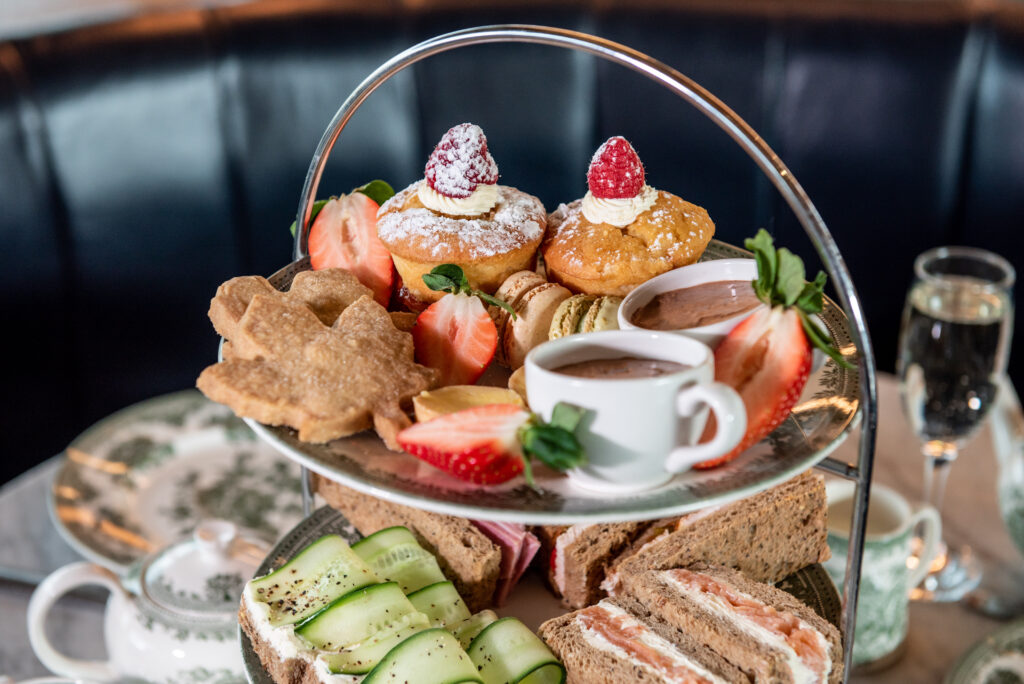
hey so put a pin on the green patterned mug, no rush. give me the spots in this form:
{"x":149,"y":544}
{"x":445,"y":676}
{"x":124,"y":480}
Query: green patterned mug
{"x":886,"y":579}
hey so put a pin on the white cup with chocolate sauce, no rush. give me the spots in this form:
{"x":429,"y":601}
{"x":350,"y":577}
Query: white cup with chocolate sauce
{"x":704,"y":301}
{"x":646,"y":396}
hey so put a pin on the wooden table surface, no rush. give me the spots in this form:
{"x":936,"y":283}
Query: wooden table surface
{"x":940,"y":633}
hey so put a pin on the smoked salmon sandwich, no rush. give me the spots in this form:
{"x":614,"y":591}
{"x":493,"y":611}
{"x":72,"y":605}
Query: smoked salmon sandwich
{"x":703,"y":623}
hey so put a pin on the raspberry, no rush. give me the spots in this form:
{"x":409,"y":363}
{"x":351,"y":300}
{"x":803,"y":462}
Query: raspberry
{"x":461,"y":162}
{"x":615,"y":170}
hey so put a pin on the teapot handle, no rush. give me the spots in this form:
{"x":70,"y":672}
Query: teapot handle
{"x":46,"y":594}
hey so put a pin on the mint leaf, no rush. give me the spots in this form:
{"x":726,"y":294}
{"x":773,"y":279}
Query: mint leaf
{"x":556,"y":447}
{"x":811,"y":300}
{"x":451,"y":278}
{"x":452,"y":272}
{"x":440,"y":283}
{"x":317,"y":206}
{"x":763,"y":248}
{"x":377,"y":190}
{"x":494,"y":301}
{"x":821,"y":340}
{"x":790,"y":280}
{"x":566,"y":416}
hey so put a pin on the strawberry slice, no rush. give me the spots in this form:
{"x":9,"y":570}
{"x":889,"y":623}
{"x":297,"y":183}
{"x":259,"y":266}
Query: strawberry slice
{"x":456,"y":336}
{"x":767,"y":357}
{"x":344,"y":235}
{"x":478,"y":445}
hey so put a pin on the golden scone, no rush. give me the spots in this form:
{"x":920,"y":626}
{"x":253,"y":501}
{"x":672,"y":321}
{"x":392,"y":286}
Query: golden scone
{"x":458,"y":214}
{"x":623,"y":232}
{"x":602,"y":259}
{"x":488,"y":247}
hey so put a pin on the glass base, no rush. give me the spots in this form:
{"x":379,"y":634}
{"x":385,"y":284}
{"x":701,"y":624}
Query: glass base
{"x":954,"y":574}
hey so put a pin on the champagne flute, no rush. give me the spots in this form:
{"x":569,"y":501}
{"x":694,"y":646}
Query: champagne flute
{"x":953,"y":348}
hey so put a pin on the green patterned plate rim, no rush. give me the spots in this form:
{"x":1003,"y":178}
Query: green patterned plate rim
{"x":811,"y":585}
{"x":143,"y":477}
{"x":976,"y":666}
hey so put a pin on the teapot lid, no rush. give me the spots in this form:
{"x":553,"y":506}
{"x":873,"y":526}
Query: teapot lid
{"x":201,"y":578}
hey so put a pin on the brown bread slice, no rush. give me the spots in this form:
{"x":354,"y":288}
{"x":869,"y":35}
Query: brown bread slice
{"x":466,"y":556}
{"x":762,"y":662}
{"x":586,"y":558}
{"x":585,"y":664}
{"x":767,"y":536}
{"x":290,"y":671}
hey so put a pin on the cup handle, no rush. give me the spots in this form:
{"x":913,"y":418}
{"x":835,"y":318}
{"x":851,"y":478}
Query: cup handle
{"x":730,"y":415}
{"x":46,"y":594}
{"x":931,"y":523}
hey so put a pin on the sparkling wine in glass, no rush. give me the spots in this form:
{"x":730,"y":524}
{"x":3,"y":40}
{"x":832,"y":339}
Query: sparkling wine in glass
{"x":953,"y":349}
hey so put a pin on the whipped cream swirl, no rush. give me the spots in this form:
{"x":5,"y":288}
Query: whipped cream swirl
{"x":618,"y":212}
{"x":480,"y":201}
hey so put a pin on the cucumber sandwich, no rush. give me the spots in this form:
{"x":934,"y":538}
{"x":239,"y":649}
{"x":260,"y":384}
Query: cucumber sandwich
{"x":382,"y":611}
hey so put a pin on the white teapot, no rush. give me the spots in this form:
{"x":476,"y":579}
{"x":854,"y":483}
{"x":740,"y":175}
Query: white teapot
{"x":172,"y":618}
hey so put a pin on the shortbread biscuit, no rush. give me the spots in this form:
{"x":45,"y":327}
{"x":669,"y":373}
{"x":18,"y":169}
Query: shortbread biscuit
{"x":289,"y":368}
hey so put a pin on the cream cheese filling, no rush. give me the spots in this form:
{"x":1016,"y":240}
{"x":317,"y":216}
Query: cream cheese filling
{"x":801,"y":673}
{"x":284,"y":642}
{"x":563,"y":541}
{"x":648,"y":637}
{"x":480,"y":201}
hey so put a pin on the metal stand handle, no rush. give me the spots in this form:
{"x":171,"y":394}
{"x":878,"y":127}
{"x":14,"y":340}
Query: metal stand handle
{"x":756,"y":149}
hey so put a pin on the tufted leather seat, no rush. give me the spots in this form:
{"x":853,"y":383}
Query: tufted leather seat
{"x":145,"y":161}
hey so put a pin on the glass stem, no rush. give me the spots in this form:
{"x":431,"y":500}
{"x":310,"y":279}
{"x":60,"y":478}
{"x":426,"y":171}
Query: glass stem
{"x":938,"y":457}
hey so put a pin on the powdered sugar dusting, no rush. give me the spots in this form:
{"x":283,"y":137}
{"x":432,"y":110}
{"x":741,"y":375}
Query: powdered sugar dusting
{"x":461,"y":162}
{"x":515,"y":222}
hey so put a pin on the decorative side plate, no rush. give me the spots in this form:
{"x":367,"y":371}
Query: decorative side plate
{"x":811,"y":585}
{"x":818,"y":424}
{"x":143,"y":477}
{"x":996,"y":659}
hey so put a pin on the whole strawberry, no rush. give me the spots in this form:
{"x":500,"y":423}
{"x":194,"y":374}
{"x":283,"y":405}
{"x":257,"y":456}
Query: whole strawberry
{"x":767,"y":357}
{"x":615,"y":170}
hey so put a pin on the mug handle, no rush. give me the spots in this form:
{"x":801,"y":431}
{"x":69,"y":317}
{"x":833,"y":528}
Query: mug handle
{"x":730,"y":415}
{"x":46,"y":594}
{"x":929,"y":519}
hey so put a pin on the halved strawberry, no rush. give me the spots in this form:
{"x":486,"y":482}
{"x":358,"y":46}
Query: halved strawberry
{"x":767,"y":357}
{"x":478,"y":445}
{"x":344,"y":235}
{"x":456,"y":336}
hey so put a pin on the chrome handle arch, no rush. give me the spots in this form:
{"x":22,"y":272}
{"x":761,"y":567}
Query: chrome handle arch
{"x":745,"y":137}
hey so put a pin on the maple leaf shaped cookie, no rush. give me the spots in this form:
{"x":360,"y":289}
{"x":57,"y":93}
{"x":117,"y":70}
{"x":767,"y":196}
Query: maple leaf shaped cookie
{"x":327,"y":293}
{"x":289,"y":368}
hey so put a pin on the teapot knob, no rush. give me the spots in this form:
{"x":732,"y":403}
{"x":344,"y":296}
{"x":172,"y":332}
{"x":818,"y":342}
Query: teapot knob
{"x":215,"y":536}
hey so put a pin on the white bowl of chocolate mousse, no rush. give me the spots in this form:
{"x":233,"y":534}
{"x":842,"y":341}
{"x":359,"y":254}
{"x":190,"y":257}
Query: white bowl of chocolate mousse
{"x":704,"y":301}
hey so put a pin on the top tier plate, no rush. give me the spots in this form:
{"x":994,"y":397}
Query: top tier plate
{"x":819,"y":423}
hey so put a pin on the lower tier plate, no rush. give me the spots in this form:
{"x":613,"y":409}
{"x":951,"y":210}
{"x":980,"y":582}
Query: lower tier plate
{"x":530,"y":601}
{"x":819,"y":422}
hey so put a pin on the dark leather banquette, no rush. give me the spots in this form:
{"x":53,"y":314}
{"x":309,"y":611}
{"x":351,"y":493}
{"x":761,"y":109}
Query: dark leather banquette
{"x":143,"y":162}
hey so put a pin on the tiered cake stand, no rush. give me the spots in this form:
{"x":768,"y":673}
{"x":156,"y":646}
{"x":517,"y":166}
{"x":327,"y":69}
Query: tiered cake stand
{"x":842,"y":396}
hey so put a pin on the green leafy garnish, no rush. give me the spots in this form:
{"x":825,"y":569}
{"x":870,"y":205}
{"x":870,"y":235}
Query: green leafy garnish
{"x":450,"y":278}
{"x":317,"y":206}
{"x":781,"y":281}
{"x":554,"y":443}
{"x":377,"y":190}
